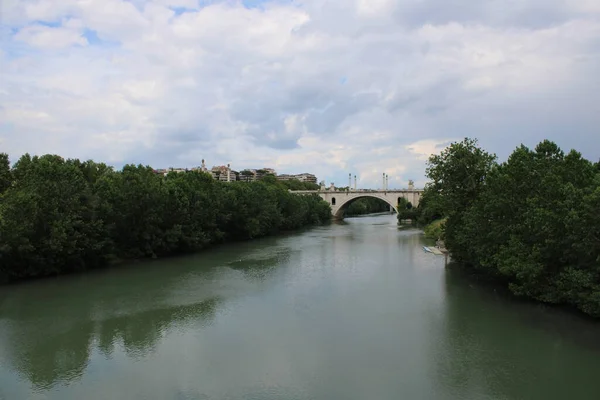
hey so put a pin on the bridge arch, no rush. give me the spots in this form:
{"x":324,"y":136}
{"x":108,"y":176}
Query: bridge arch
{"x":338,"y":209}
{"x":338,"y":200}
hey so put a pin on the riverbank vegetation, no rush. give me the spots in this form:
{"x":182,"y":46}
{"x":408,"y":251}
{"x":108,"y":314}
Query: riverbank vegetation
{"x":531,"y":222}
{"x":59,"y":216}
{"x":366,"y":205}
{"x":435,"y":230}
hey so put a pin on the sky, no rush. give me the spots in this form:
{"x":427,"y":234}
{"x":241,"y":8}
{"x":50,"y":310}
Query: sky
{"x":328,"y":87}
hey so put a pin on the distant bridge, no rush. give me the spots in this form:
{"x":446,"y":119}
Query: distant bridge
{"x":340,"y":199}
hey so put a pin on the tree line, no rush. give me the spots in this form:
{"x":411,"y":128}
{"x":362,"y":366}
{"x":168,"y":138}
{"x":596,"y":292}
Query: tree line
{"x":366,"y":205}
{"x":531,"y":222}
{"x":59,"y":216}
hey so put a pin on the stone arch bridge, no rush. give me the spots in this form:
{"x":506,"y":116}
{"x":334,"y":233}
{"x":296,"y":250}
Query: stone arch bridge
{"x":339,"y":200}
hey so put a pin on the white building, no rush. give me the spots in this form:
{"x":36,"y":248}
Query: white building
{"x":306,"y":177}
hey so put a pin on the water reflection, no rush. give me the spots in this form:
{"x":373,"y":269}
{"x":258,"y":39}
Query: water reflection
{"x":139,"y":333}
{"x":46,"y":357}
{"x":496,"y":346}
{"x":351,"y":311}
{"x":52,"y":327}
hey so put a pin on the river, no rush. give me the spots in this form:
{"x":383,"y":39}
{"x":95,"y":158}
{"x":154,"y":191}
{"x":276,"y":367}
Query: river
{"x":354,"y":310}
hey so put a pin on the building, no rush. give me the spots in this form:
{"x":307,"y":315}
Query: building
{"x":165,"y":171}
{"x":202,"y":167}
{"x":306,"y":177}
{"x":285,"y":177}
{"x":247,"y":175}
{"x":251,"y":175}
{"x":224,"y":173}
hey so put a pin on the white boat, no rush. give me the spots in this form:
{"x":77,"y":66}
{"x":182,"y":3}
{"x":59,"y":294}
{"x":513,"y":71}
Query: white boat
{"x":427,"y":249}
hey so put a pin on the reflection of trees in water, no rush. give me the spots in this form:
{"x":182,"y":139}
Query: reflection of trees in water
{"x":470,"y":360}
{"x":47,"y":358}
{"x":140,"y":332}
{"x":52,"y":331}
{"x":260,"y":264}
{"x":492,"y":346}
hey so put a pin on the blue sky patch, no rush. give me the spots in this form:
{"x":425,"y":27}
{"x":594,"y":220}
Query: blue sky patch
{"x":179,"y":10}
{"x":254,"y":3}
{"x":50,"y":24}
{"x":92,"y":37}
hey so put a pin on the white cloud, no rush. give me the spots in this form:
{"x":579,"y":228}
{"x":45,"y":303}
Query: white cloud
{"x":374,"y":8}
{"x":49,"y":38}
{"x":423,"y":149}
{"x":314,"y":86}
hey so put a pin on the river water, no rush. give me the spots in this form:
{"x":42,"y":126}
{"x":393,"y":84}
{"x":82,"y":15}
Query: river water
{"x":355,"y":310}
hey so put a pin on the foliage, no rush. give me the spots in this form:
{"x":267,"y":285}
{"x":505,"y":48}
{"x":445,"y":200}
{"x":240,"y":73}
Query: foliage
{"x":531,"y":222}
{"x":5,"y":176}
{"x":295,"y":184}
{"x":58,"y":216}
{"x":406,"y":211}
{"x":435,"y":230}
{"x":430,"y":207}
{"x":366,"y":205}
{"x":458,"y":174}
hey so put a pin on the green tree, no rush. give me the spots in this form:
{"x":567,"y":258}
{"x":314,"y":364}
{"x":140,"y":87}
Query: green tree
{"x":58,"y":215}
{"x":49,"y":224}
{"x":406,"y":211}
{"x":430,"y":206}
{"x":458,"y":175}
{"x":533,"y":226}
{"x":5,"y":173}
{"x":366,"y":205}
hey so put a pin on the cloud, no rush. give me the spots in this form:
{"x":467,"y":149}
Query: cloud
{"x":337,"y":87}
{"x":44,"y":37}
{"x":423,"y":149}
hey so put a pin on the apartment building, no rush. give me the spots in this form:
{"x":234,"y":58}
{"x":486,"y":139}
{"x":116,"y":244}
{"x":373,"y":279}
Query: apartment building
{"x":304,"y":177}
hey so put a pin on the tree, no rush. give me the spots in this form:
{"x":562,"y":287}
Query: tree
{"x":430,"y":207}
{"x":406,"y":211}
{"x":533,"y":226}
{"x":58,"y":216}
{"x":366,"y":205}
{"x":5,"y":173}
{"x":458,"y":175}
{"x":48,"y":223}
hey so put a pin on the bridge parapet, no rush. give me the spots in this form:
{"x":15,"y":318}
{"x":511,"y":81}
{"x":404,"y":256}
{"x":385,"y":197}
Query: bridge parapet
{"x":358,"y":191}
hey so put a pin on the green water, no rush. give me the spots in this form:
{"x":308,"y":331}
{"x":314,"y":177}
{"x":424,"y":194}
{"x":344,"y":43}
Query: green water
{"x":348,"y":311}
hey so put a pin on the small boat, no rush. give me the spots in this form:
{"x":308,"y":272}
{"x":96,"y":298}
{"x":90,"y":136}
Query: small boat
{"x":427,"y":249}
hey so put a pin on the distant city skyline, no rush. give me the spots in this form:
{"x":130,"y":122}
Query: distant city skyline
{"x":331,"y":88}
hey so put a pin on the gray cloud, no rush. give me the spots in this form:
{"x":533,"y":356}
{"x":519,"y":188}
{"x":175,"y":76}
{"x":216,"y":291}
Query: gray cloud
{"x":329,"y":87}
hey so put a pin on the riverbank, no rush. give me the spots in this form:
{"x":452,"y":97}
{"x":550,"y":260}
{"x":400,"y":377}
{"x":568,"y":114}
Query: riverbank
{"x":116,"y":264}
{"x":291,"y":317}
{"x":531,"y":221}
{"x":65,"y":216}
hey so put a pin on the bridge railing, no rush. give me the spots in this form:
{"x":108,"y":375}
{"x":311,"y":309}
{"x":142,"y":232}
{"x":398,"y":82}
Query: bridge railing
{"x":358,"y":191}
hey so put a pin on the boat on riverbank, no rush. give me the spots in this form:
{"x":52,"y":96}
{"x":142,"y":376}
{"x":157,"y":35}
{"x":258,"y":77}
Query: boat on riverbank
{"x":433,"y":250}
